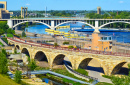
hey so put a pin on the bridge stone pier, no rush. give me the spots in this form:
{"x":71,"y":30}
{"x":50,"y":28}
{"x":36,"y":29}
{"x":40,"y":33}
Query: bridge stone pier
{"x":53,"y":23}
{"x":110,"y":64}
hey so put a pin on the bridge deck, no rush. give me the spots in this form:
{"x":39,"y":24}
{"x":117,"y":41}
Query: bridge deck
{"x":62,"y":19}
{"x":66,"y":49}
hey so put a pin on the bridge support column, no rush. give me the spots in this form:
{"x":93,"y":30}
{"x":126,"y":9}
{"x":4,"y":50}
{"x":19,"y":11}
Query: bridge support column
{"x":16,"y":28}
{"x":53,"y":25}
{"x":10,"y":23}
{"x":96,"y":27}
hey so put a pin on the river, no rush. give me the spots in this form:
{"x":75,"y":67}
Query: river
{"x":123,"y":37}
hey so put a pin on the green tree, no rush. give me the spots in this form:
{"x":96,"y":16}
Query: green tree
{"x":15,"y":51}
{"x":70,"y":47}
{"x":4,"y":51}
{"x":32,"y":65}
{"x":3,"y":64}
{"x":1,"y":31}
{"x":64,"y":43}
{"x":17,"y":77}
{"x":129,"y":69}
{"x":23,"y":34}
{"x":10,"y":31}
{"x":55,"y":44}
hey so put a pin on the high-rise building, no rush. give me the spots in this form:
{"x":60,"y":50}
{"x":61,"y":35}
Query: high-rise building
{"x":98,"y":10}
{"x":24,"y":11}
{"x":4,"y":13}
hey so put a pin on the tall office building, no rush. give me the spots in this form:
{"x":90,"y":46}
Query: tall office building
{"x":98,"y":10}
{"x":4,"y":13}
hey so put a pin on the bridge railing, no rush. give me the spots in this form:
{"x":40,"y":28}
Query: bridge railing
{"x":73,"y":50}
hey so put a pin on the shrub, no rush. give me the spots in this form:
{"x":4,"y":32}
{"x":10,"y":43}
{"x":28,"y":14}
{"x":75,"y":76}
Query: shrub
{"x":28,"y":58}
{"x":55,"y":44}
{"x":70,"y":47}
{"x":9,"y":35}
{"x":4,"y":51}
{"x":5,"y":40}
{"x":17,"y":77}
{"x":15,"y":51}
{"x":10,"y":31}
{"x":23,"y":34}
{"x":32,"y":65}
{"x":1,"y":44}
{"x":3,"y":63}
{"x":64,"y":43}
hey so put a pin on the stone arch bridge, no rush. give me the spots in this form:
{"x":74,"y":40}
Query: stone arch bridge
{"x":110,"y":64}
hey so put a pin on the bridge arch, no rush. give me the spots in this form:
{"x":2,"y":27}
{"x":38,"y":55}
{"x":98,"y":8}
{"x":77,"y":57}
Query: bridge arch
{"x":85,"y":62}
{"x":114,"y":22}
{"x":32,"y":21}
{"x":75,"y":21}
{"x":40,"y":56}
{"x":58,"y":59}
{"x":26,"y":51}
{"x":117,"y":67}
{"x":17,"y":47}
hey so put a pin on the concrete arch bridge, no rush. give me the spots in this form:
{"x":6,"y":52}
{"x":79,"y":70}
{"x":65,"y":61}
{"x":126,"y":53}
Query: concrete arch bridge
{"x":52,"y":23}
{"x":79,"y":59}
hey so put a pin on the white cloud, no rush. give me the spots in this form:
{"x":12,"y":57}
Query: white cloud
{"x":121,"y":1}
{"x":28,"y":4}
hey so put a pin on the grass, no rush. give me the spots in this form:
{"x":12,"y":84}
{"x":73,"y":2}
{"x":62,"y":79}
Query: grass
{"x":1,"y":44}
{"x":103,"y":83}
{"x":63,"y":72}
{"x":105,"y":76}
{"x":82,"y":71}
{"x":5,"y":80}
{"x":40,"y":68}
{"x":66,"y":73}
{"x":9,"y":35}
{"x":5,"y":39}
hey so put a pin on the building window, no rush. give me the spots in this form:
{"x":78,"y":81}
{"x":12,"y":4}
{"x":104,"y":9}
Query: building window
{"x":101,"y":38}
{"x":105,"y":38}
{"x":110,"y":38}
{"x":1,"y":5}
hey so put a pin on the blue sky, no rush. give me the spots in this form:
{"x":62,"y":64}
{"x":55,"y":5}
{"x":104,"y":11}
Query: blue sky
{"x":69,"y":4}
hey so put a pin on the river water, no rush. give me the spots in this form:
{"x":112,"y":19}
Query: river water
{"x":123,"y":37}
